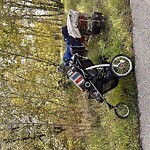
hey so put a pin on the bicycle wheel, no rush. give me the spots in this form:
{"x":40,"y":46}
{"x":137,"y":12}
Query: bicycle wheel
{"x":122,"y":110}
{"x":121,"y":66}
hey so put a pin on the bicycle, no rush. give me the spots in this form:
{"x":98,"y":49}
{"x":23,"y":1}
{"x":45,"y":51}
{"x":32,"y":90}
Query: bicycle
{"x":97,"y":80}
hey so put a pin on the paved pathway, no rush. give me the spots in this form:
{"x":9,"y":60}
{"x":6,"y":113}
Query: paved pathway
{"x":141,"y":40}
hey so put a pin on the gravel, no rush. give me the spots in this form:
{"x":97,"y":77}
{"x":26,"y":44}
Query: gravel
{"x":141,"y":41}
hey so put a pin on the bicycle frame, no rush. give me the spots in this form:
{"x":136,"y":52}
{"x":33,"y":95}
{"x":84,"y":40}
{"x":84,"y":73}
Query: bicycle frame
{"x":90,"y":84}
{"x":101,"y":66}
{"x":105,"y":101}
{"x":98,"y":66}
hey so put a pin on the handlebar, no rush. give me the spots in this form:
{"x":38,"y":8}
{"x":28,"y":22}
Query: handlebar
{"x":76,"y":55}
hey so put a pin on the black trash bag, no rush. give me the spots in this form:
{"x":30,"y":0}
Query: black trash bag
{"x":96,"y":23}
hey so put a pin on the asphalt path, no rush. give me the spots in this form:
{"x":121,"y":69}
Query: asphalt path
{"x":141,"y":43}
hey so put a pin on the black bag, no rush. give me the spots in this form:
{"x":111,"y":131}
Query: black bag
{"x":78,"y":49}
{"x":92,"y":72}
{"x":97,"y":16}
{"x":96,"y":23}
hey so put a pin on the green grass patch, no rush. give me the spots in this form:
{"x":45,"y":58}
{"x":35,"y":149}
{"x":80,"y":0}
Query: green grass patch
{"x":112,"y":133}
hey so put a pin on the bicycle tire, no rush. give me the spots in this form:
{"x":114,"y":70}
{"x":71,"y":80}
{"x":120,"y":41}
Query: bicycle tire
{"x":122,"y":110}
{"x":121,"y":66}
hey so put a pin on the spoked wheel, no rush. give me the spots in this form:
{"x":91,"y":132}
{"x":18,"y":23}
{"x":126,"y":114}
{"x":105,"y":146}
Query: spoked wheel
{"x":121,"y":65}
{"x":122,"y":110}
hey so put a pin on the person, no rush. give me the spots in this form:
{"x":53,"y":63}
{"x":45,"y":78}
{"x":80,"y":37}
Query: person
{"x":67,"y":55}
{"x":67,"y":58}
{"x":71,"y":44}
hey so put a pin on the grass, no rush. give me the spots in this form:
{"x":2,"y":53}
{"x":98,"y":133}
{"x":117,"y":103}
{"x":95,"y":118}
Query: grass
{"x":112,"y":133}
